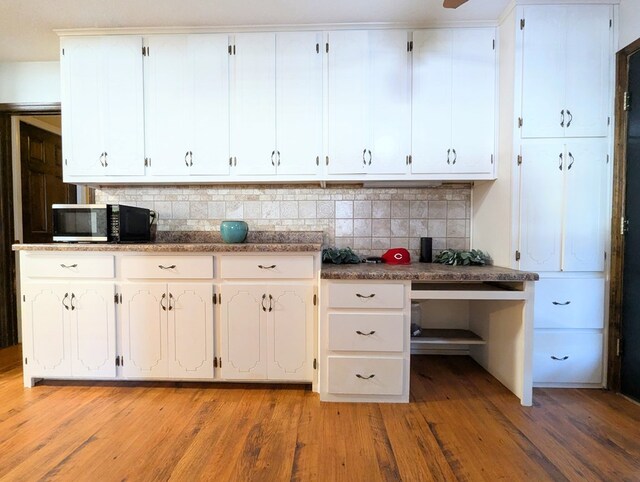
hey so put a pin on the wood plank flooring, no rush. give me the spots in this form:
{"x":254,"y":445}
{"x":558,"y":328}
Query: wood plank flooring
{"x":461,"y":425}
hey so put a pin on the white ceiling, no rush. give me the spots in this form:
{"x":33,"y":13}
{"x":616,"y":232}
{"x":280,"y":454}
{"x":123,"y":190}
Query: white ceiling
{"x":26,"y":26}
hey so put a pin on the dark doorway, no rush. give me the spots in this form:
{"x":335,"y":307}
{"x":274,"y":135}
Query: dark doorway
{"x":42,"y":186}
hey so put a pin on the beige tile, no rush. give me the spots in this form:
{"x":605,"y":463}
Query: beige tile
{"x":344,"y":227}
{"x":233,"y":210}
{"x":344,"y":242}
{"x":198,"y":210}
{"x":437,"y":228}
{"x":215,"y":209}
{"x":456,"y":243}
{"x":289,"y":209}
{"x":418,"y":228}
{"x":270,"y":209}
{"x":399,"y":243}
{"x":437,"y":209}
{"x":307,"y":209}
{"x":380,"y":243}
{"x":456,"y":228}
{"x":344,"y":209}
{"x":381,"y":209}
{"x":326,"y":209}
{"x":180,"y":210}
{"x":252,"y":210}
{"x":419,"y":209}
{"x":399,"y":209}
{"x":361,"y":243}
{"x":456,"y":210}
{"x":399,"y":227}
{"x":163,"y":209}
{"x":362,"y":209}
{"x":381,"y":227}
{"x":362,"y":227}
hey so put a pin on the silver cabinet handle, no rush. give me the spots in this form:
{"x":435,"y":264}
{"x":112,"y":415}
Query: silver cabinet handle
{"x":66,"y":295}
{"x":571,"y":161}
{"x":562,"y":118}
{"x":73,"y":297}
{"x":173,"y":266}
{"x":369,"y":156}
{"x":103,"y":161}
{"x":365,"y":334}
{"x":455,"y":156}
{"x":68,"y":266}
{"x":364,"y":153}
{"x":570,"y":118}
{"x":186,"y":158}
{"x":264,"y":297}
{"x":566,"y":357}
{"x":560,"y":162}
{"x":190,"y":158}
{"x":448,"y":156}
{"x":365,"y":378}
{"x":266,"y":267}
{"x":270,"y":303}
{"x":557,"y":303}
{"x":273,"y":153}
{"x":278,"y":158}
{"x":365,"y":296}
{"x":170,"y":298}
{"x":164,"y":295}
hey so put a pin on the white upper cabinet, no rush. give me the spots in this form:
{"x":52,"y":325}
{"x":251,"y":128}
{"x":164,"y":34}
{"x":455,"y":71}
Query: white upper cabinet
{"x":187,"y":104}
{"x":369,"y":102}
{"x":453,"y":104}
{"x":566,"y":52}
{"x":102,"y":106}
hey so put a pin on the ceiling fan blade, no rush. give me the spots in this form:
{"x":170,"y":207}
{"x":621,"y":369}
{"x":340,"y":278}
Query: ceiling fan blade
{"x":453,"y":3}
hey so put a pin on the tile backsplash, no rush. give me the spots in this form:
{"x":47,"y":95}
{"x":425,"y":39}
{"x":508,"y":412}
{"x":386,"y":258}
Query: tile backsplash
{"x":369,"y":220}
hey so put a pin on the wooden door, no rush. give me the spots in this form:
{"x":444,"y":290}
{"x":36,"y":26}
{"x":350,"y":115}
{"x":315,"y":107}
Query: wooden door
{"x":290,"y":327}
{"x":190,"y":334}
{"x":144,"y":330}
{"x":544,"y":61}
{"x":93,"y":330}
{"x":348,"y":132}
{"x":389,"y":102}
{"x":431,"y":104}
{"x":299,"y":102}
{"x":42,"y":186}
{"x":473,"y":101}
{"x":585,"y":224}
{"x":46,"y":338}
{"x":253,"y":132}
{"x":541,"y":205}
{"x":243,"y":332}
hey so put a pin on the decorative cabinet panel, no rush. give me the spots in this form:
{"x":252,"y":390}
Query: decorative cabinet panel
{"x":167,"y":330}
{"x":563,"y":205}
{"x":187,"y":104}
{"x":266,"y":332}
{"x":369,"y":105}
{"x":454,"y":75}
{"x":566,"y":70}
{"x":70,"y":330}
{"x":102,"y":106}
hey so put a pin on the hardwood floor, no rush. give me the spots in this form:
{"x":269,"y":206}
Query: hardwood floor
{"x":461,"y":424}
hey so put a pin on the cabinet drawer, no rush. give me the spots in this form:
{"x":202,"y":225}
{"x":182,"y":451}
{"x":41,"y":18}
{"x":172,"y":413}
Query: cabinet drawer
{"x":366,"y":332}
{"x":266,"y":267}
{"x":366,"y":295}
{"x":569,"y":303}
{"x":67,"y":266}
{"x":567,"y":357}
{"x":167,"y":267}
{"x":366,"y":376}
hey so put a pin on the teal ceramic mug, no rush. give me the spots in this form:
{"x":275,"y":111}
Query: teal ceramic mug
{"x":234,"y":231}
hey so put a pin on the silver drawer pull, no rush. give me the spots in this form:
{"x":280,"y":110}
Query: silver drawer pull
{"x":365,"y":334}
{"x":557,"y":303}
{"x":365,"y":296}
{"x":167,"y":267}
{"x":68,"y":266}
{"x":566,"y":357}
{"x":266,"y":267}
{"x":365,"y":378}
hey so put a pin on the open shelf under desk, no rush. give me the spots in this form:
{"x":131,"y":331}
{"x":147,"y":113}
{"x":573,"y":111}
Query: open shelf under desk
{"x":467,"y":291}
{"x":440,"y":336}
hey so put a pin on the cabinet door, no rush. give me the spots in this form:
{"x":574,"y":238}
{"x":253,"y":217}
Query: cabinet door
{"x":348,"y":101}
{"x":82,"y":104}
{"x":190,"y":334}
{"x":544,"y":60}
{"x":144,"y":330}
{"x":473,"y":101}
{"x":243,"y":341}
{"x":299,"y":102}
{"x":253,"y":135}
{"x":432,"y":94}
{"x":167,"y":98}
{"x":588,"y":70}
{"x":46,"y":329}
{"x":389,"y":102}
{"x":93,"y":330}
{"x":585,"y":204}
{"x":541,"y":191}
{"x":123,"y":110}
{"x":290,"y":327}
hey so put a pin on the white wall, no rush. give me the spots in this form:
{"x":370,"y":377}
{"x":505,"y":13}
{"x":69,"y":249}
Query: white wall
{"x":29,"y":82}
{"x":629,"y":22}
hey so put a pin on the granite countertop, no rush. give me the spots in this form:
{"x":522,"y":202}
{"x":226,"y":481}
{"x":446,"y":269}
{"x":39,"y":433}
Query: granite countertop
{"x":423,"y":272}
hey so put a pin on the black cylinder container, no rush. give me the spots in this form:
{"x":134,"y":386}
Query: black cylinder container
{"x":426,"y":246}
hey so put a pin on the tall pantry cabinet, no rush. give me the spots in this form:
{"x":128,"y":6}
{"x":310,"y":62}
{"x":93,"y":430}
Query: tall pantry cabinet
{"x":550,"y":207}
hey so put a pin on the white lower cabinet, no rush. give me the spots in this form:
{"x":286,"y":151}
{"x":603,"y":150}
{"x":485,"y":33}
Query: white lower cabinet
{"x":266,"y":332}
{"x":69,"y":330}
{"x":167,"y":330}
{"x":567,"y":357}
{"x":365,"y":375}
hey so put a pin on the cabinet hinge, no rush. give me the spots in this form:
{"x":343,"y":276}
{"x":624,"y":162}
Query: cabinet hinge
{"x":326,"y":160}
{"x":607,"y":158}
{"x":115,"y":298}
{"x":214,"y":299}
{"x":519,"y":159}
{"x":605,"y":255}
{"x":610,"y":22}
{"x":220,"y":362}
{"x":519,"y":121}
{"x":231,"y":161}
{"x":608,"y":121}
{"x":327,"y":47}
{"x":411,"y":46}
{"x":26,"y":361}
{"x":522,"y":24}
{"x":147,"y":161}
{"x":62,"y":51}
{"x":315,"y":300}
{"x":626,"y":101}
{"x":117,"y":361}
{"x":493,"y":44}
{"x":618,"y":347}
{"x":24,"y":298}
{"x":624,"y":226}
{"x":315,"y":364}
{"x":145,"y":51}
{"x":229,"y":49}
{"x":491,"y":158}
{"x":215,"y":362}
{"x":410,"y":159}
{"x":317,"y":48}
{"x":120,"y":298}
{"x":65,"y":162}
{"x":317,"y":160}
{"x":234,"y":49}
{"x":219,"y":298}
{"x":121,"y":361}
{"x":517,"y":255}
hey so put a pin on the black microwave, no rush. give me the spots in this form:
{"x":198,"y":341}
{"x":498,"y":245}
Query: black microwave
{"x":101,"y":223}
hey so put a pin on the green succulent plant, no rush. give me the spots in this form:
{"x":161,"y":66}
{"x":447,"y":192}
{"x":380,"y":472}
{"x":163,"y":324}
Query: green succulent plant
{"x":460,"y":257}
{"x":340,"y":256}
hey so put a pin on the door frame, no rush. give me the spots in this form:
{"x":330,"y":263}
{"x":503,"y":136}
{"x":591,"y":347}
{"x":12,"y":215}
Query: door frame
{"x":8,"y":305}
{"x":619,"y":198}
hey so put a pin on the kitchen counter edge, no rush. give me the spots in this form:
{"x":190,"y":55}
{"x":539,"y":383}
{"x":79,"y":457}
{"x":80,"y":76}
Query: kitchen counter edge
{"x":173,"y":247}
